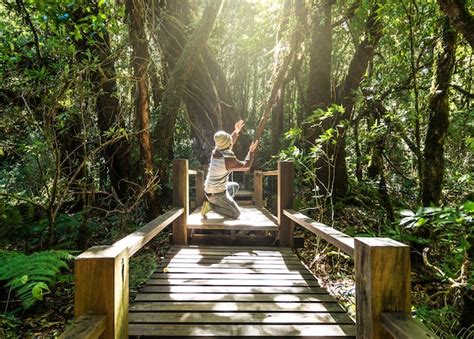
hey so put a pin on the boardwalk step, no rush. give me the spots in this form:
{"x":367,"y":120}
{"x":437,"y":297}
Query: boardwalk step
{"x":277,"y":331}
{"x":251,"y":218}
{"x":235,"y":292}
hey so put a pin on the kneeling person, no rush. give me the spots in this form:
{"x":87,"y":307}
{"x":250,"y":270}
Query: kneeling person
{"x":219,"y":191}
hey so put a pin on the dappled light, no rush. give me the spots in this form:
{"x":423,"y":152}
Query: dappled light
{"x":236,"y":168}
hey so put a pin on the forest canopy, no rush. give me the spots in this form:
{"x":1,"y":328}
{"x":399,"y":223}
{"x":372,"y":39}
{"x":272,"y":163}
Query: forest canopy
{"x":372,"y":100}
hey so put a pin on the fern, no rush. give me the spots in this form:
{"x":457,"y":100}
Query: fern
{"x":30,"y":276}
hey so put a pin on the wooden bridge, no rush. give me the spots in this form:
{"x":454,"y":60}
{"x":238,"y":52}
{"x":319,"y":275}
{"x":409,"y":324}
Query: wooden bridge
{"x":210,"y":285}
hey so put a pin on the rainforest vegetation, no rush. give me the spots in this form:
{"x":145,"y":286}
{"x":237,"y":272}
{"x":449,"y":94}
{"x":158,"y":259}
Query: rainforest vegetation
{"x":372,"y":100}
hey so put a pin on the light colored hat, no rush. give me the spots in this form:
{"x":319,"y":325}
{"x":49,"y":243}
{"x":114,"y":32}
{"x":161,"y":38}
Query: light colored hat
{"x":223,"y":140}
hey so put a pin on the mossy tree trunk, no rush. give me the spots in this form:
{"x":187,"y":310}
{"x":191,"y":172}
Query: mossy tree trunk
{"x":140,"y":61}
{"x":332,"y":169}
{"x":433,"y":169}
{"x":459,"y":16}
{"x":206,"y":93}
{"x":190,"y":54}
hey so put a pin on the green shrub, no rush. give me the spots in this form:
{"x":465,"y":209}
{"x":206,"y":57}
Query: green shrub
{"x":31,"y":276}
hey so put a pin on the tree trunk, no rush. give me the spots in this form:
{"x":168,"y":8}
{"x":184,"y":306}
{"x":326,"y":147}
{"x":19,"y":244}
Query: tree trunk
{"x":346,"y":94}
{"x":318,"y":94}
{"x":140,"y":61}
{"x":179,"y":78}
{"x":277,"y":122}
{"x":206,"y":94}
{"x":433,"y":169}
{"x":283,"y":73}
{"x":319,"y":81}
{"x":458,"y":13}
{"x":103,"y":81}
{"x":331,"y":168}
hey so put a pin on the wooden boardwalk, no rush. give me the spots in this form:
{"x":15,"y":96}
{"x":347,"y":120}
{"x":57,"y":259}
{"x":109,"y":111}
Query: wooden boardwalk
{"x":252,"y":218}
{"x":236,"y":291}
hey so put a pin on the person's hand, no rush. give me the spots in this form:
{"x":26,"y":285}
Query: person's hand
{"x":238,"y":125}
{"x":253,"y":146}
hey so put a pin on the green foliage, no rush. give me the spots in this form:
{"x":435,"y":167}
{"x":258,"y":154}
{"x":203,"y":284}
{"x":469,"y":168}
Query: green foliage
{"x":31,"y":276}
{"x":451,"y":234}
{"x":438,"y":319}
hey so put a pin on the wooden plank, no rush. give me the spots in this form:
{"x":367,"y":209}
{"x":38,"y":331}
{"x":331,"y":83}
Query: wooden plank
{"x":200,"y":264}
{"x":87,"y":326}
{"x":142,"y":236}
{"x":403,"y":326}
{"x":231,"y":252}
{"x":233,"y":238}
{"x":239,"y":270}
{"x":251,"y":218}
{"x":101,"y":287}
{"x":227,"y":249}
{"x":382,"y":268}
{"x":331,"y":235}
{"x":236,"y":276}
{"x":199,"y":188}
{"x":230,"y":282}
{"x":258,"y":188}
{"x":180,"y":199}
{"x":238,"y":317}
{"x":231,"y":289}
{"x":286,"y":174}
{"x":244,"y":194}
{"x":270,"y":173}
{"x":288,"y":301}
{"x":229,"y":259}
{"x":283,"y":308}
{"x":308,"y":331}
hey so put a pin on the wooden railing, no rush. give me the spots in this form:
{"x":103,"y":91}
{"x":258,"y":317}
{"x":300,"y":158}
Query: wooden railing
{"x":199,"y":189}
{"x":101,"y":273}
{"x":382,"y":266}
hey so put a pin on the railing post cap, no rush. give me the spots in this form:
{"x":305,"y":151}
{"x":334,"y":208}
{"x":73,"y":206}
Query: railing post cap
{"x":101,"y":252}
{"x":379,"y":242}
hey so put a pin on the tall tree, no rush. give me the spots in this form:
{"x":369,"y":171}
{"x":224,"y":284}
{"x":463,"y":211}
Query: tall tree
{"x":94,"y":41}
{"x":460,"y":18}
{"x":206,"y":93}
{"x":331,"y":164}
{"x":433,"y":169}
{"x":175,"y":88}
{"x":140,"y":61}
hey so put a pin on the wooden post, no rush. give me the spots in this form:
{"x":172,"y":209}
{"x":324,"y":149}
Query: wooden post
{"x":382,"y":268}
{"x":180,"y":199}
{"x":101,"y":287}
{"x":286,"y":174}
{"x":258,"y":188}
{"x":199,"y":188}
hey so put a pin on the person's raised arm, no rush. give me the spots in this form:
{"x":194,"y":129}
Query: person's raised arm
{"x":235,"y":134}
{"x":233,"y":164}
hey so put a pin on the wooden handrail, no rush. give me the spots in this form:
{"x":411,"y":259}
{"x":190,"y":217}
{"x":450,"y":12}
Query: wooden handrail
{"x":403,"y":326}
{"x":269,"y":173}
{"x":331,"y":235}
{"x":87,"y":326}
{"x":142,"y":236}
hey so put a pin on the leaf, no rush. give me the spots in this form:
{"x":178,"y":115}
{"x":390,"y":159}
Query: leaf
{"x":421,"y":222}
{"x":19,"y":281}
{"x":38,"y":290}
{"x":469,"y":206}
{"x":406,"y":213}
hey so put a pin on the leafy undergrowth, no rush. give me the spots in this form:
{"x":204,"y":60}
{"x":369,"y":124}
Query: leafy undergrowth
{"x":49,"y":317}
{"x":439,"y":285}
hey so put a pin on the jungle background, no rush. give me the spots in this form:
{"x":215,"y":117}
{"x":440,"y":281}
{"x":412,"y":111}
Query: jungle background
{"x":372,"y":99}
